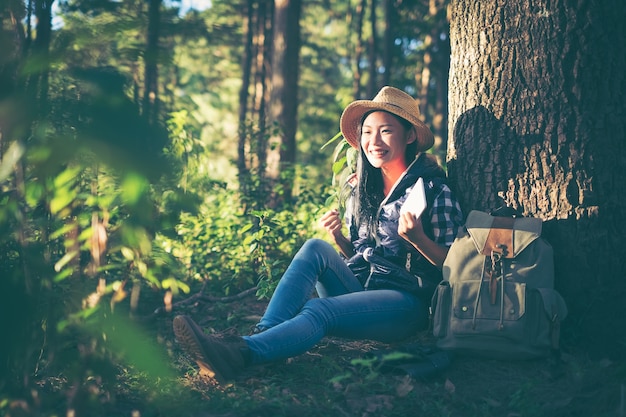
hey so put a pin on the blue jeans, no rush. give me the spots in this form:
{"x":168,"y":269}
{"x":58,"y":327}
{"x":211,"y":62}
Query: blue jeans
{"x":294,"y":321}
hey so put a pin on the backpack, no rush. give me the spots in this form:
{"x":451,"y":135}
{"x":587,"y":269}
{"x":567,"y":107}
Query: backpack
{"x":497,"y":297}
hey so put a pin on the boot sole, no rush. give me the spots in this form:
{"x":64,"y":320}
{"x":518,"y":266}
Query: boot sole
{"x":190,"y":342}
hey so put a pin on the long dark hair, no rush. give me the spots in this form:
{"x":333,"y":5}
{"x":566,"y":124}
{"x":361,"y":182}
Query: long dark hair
{"x":370,"y":192}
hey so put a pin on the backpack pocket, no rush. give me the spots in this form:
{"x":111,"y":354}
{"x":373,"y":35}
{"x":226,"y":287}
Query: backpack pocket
{"x":474,"y":312}
{"x":440,"y":309}
{"x":517,"y":325}
{"x":542,"y":326}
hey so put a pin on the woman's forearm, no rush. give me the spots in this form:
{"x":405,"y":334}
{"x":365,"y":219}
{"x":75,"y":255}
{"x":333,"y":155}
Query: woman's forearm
{"x":436,"y":254}
{"x":345,"y":246}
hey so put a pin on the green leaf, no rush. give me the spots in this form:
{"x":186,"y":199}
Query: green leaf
{"x":63,"y":198}
{"x":62,"y":275}
{"x":133,"y":188}
{"x":127,"y":253}
{"x":331,"y":140}
{"x":249,"y":239}
{"x":67,"y":177}
{"x":339,"y":165}
{"x":175,"y":285}
{"x":62,"y":230}
{"x":395,"y":356}
{"x":33,"y":193}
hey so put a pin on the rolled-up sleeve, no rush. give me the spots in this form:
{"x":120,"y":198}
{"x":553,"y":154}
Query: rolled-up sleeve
{"x":447,"y":217}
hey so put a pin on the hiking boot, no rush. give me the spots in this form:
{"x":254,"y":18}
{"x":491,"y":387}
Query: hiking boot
{"x":218,"y":359}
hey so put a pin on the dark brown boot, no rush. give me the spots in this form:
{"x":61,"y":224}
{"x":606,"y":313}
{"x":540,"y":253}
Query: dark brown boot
{"x":216,"y":358}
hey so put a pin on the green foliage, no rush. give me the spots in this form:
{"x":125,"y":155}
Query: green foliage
{"x":105,"y":216}
{"x":343,"y":166}
{"x":231,"y":250}
{"x":273,"y":239}
{"x":81,"y":205}
{"x":263,"y":239}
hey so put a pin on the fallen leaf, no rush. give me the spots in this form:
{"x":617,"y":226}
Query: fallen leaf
{"x":404,"y":387}
{"x":449,"y":387}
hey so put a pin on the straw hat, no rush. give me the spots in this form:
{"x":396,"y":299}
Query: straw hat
{"x":392,"y":100}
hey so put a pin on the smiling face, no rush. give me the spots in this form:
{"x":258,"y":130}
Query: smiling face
{"x":384,"y":139}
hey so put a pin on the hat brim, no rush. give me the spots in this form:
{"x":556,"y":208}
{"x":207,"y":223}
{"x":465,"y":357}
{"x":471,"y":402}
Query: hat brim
{"x":352,"y":116}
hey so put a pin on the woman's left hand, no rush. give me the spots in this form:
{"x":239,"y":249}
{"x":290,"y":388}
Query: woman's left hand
{"x":410,"y":228}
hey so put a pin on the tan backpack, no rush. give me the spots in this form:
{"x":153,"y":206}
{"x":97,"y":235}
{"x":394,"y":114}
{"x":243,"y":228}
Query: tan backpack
{"x":497,"y":298}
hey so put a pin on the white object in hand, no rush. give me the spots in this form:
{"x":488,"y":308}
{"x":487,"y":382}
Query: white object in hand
{"x":415,"y":203}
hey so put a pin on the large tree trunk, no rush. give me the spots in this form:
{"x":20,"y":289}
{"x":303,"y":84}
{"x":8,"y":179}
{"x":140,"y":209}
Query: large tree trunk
{"x":284,"y":98}
{"x":537,"y":117}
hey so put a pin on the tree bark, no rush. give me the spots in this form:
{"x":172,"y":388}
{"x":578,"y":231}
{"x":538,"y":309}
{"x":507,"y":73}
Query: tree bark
{"x":434,"y":77}
{"x":254,"y":97}
{"x":537,"y":118}
{"x":391,"y":23}
{"x":41,"y":49}
{"x":242,"y":167}
{"x":372,"y":84}
{"x":262,"y":95}
{"x":358,"y":50}
{"x":284,"y":98}
{"x":14,"y":38}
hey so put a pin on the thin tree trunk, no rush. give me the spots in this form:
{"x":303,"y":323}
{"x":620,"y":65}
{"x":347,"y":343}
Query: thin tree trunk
{"x":288,"y":150}
{"x":372,"y":82}
{"x":266,"y":13}
{"x":424,"y":78}
{"x":433,"y":77}
{"x":284,"y":101}
{"x":242,"y":167}
{"x":358,"y":53}
{"x":389,"y":37}
{"x":41,"y":48}
{"x":13,"y":35}
{"x":151,"y":58}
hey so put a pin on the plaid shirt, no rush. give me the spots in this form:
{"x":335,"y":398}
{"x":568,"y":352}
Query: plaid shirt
{"x":441,"y":220}
{"x":446,"y":217}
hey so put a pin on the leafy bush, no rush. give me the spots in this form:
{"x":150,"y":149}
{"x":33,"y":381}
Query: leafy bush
{"x":232,"y":250}
{"x":99,"y":208}
{"x":79,"y":212}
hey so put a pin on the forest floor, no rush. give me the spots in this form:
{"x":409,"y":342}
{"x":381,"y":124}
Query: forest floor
{"x":336,"y":379}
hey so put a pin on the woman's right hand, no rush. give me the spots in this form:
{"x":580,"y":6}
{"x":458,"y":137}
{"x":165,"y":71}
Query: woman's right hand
{"x":332,"y":223}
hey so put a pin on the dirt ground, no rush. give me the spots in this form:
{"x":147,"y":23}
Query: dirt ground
{"x":336,"y":378}
{"x":574,"y":385}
